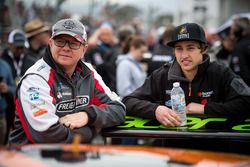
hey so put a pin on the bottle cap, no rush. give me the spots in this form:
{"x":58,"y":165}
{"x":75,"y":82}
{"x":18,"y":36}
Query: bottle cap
{"x":176,"y":84}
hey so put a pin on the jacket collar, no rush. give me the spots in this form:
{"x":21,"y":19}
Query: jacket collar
{"x":81,"y":67}
{"x":175,"y":73}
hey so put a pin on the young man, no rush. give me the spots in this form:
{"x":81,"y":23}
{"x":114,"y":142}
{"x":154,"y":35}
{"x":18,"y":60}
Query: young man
{"x":60,"y":96}
{"x":210,"y":88}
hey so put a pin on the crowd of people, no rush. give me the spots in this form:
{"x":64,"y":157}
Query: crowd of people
{"x":66,"y":83}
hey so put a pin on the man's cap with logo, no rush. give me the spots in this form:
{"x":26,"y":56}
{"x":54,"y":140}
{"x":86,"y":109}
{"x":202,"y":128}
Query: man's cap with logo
{"x":70,"y":27}
{"x":186,"y":32}
{"x":35,"y":27}
{"x":17,"y":38}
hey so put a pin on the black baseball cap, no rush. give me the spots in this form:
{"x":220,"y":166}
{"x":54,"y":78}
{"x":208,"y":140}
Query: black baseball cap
{"x":187,"y":32}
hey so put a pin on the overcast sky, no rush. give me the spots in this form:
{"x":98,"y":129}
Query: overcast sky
{"x":82,"y":6}
{"x":166,"y":6}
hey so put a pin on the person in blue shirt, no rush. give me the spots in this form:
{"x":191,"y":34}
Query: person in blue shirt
{"x":7,"y":89}
{"x":129,"y":73}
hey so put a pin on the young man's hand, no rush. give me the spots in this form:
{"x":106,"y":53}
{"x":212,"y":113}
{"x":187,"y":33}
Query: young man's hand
{"x":75,"y":120}
{"x":167,"y":116}
{"x":195,"y":108}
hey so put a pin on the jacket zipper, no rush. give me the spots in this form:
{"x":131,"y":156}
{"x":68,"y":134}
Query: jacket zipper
{"x":189,"y":89}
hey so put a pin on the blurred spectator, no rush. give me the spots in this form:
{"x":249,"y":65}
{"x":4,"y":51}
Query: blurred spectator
{"x":18,"y":62}
{"x":15,"y":54}
{"x":123,"y":34}
{"x":7,"y":89}
{"x":137,"y":24}
{"x":100,"y":53}
{"x":38,"y":36}
{"x":129,"y":73}
{"x":240,"y":62}
{"x":103,"y":35}
{"x":222,"y":49}
{"x":161,"y":53}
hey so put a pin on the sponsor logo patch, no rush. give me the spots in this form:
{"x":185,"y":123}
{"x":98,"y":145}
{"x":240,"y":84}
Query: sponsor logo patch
{"x":37,"y":104}
{"x":70,"y":105}
{"x":69,"y":25}
{"x":183,"y":30}
{"x":41,"y":67}
{"x":33,"y":89}
{"x":183,"y":33}
{"x":63,"y":90}
{"x":205,"y":94}
{"x":34,"y":96}
{"x":66,"y":93}
{"x":40,"y":112}
{"x":59,"y":95}
{"x":33,"y":93}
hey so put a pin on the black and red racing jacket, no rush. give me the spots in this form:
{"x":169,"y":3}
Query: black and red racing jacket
{"x":45,"y":94}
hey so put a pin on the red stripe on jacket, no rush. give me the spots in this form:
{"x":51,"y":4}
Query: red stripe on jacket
{"x":95,"y":100}
{"x":25,"y":128}
{"x":50,"y":82}
{"x":98,"y":86}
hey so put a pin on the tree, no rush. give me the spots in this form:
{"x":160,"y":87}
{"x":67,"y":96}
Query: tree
{"x":120,"y":14}
{"x":163,"y":20}
{"x":125,"y":13}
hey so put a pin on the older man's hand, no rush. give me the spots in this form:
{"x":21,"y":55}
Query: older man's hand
{"x":75,"y":120}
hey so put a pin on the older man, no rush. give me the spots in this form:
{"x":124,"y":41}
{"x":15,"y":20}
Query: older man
{"x":61,"y":96}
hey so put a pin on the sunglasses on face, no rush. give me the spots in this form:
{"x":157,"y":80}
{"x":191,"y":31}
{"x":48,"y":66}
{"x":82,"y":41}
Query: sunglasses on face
{"x":72,"y":44}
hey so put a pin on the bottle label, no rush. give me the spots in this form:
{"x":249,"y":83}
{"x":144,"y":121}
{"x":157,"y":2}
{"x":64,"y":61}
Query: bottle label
{"x":178,"y":103}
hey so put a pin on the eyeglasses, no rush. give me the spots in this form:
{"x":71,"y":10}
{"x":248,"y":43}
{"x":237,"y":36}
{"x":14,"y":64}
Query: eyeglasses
{"x":72,"y":44}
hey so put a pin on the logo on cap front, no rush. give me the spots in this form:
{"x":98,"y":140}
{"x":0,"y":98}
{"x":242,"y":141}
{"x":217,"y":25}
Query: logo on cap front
{"x":183,"y":33}
{"x":69,"y":25}
{"x":183,"y":30}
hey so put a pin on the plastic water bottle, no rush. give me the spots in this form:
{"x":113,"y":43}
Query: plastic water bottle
{"x":178,"y":102}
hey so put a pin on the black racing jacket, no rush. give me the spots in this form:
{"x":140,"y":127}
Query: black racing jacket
{"x":221,"y":91}
{"x":45,"y":94}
